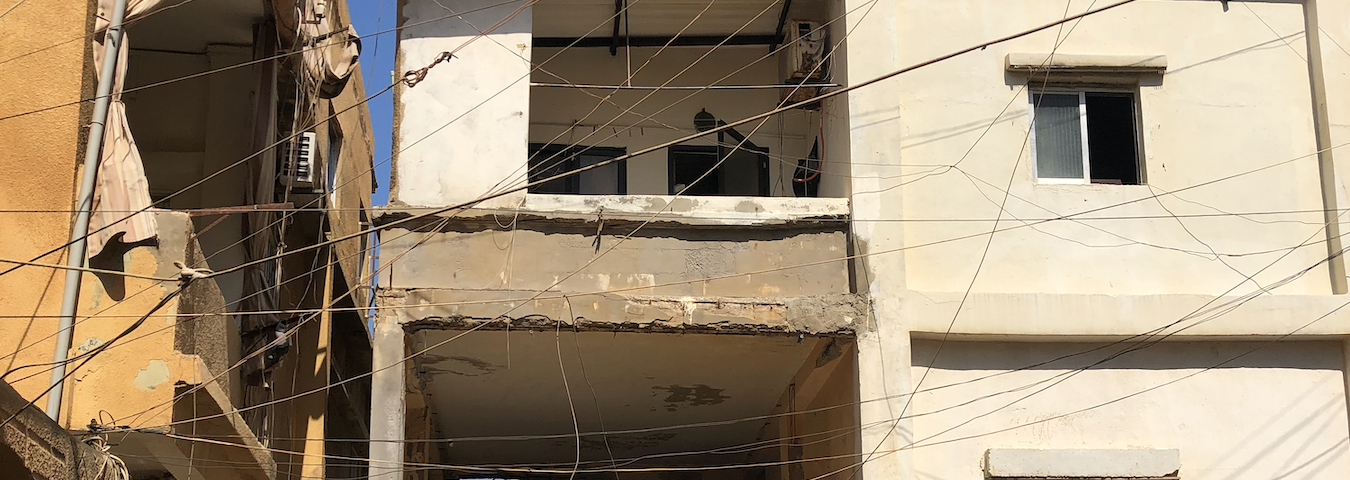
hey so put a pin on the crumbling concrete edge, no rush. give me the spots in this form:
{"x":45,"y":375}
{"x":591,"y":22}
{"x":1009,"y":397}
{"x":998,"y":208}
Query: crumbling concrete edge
{"x":47,"y":450}
{"x":817,"y":315}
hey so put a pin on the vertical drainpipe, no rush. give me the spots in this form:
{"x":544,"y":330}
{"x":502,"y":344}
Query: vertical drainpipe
{"x":75,"y":256}
{"x":1325,"y":166}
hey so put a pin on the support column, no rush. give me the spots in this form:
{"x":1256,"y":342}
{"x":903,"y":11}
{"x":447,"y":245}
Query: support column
{"x":316,"y":409}
{"x":1326,"y":167}
{"x":387,"y":411}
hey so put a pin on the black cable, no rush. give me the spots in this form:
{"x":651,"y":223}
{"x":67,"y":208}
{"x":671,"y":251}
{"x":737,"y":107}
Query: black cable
{"x":187,"y":280}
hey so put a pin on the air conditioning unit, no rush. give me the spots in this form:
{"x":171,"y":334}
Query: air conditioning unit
{"x":805,"y":50}
{"x":297,"y":161}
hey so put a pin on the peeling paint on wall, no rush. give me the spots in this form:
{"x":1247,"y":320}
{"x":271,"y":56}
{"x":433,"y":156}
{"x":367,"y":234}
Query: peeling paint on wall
{"x":155,"y":373}
{"x":90,"y":344}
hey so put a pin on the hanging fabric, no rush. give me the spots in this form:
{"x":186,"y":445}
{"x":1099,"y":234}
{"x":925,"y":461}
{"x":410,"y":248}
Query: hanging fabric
{"x":330,"y":50}
{"x":121,"y":187}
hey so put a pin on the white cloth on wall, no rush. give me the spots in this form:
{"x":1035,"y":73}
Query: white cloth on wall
{"x":331,"y":48}
{"x":121,"y":187}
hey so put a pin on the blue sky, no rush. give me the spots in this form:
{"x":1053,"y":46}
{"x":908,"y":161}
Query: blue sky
{"x":377,"y":61}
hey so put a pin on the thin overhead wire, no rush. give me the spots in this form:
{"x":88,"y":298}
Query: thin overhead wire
{"x":440,"y":57}
{"x":274,"y":145}
{"x":1247,"y":298}
{"x":764,"y":116}
{"x":721,"y":128}
{"x":11,"y":9}
{"x":828,"y":220}
{"x":322,"y":44}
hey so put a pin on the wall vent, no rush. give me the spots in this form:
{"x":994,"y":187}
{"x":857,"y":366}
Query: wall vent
{"x":297,"y":161}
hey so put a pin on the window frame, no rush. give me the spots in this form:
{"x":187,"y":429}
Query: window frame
{"x":572,"y":162}
{"x":721,"y":151}
{"x":1082,"y":91}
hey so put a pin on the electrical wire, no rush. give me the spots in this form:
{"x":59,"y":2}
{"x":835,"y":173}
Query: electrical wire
{"x":444,"y":55}
{"x":269,"y":147}
{"x":826,"y":219}
{"x":321,"y":44}
{"x":94,"y":353}
{"x":969,"y":381}
{"x":11,"y":9}
{"x":760,"y":116}
{"x":831,"y":94}
{"x":346,"y":237}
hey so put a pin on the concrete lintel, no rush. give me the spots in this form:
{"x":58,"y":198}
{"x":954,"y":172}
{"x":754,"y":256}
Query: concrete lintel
{"x":388,"y":410}
{"x":816,"y":315}
{"x":1040,"y":62}
{"x":1081,"y":463}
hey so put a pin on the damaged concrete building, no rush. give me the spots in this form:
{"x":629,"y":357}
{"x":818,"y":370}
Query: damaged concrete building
{"x":236,"y":134}
{"x":965,"y":271}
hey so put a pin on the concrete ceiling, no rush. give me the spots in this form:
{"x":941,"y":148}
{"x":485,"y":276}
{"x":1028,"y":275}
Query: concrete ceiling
{"x":633,"y":380}
{"x":196,"y":24}
{"x":574,"y":18}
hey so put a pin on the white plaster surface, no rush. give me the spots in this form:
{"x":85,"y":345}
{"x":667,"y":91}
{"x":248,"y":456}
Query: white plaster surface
{"x":1031,"y":462}
{"x":710,"y":210}
{"x":463,"y":129}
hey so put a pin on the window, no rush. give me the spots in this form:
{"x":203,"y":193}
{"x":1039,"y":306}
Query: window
{"x":1086,"y":136}
{"x":334,"y":154}
{"x":744,"y":173}
{"x":547,"y":160}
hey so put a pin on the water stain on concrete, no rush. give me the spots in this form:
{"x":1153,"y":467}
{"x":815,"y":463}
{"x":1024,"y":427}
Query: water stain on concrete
{"x":454,"y":365}
{"x":691,"y":396}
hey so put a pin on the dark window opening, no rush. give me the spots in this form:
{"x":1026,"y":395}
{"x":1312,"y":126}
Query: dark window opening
{"x":1113,"y":155}
{"x":547,"y":160}
{"x":1085,"y":137}
{"x":745,"y":172}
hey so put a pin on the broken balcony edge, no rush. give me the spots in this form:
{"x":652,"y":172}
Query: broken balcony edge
{"x":817,"y":315}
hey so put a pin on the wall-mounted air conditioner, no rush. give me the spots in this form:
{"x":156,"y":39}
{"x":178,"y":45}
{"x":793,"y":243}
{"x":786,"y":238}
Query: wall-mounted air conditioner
{"x":805,"y":50}
{"x":297,"y":161}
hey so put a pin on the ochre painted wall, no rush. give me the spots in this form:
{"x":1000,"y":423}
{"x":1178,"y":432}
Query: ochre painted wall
{"x":39,"y":159}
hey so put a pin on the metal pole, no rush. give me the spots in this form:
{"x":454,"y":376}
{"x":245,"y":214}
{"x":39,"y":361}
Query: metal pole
{"x":75,"y":256}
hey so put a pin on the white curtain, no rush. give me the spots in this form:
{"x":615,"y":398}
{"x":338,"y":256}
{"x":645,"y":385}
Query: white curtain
{"x":121,"y":186}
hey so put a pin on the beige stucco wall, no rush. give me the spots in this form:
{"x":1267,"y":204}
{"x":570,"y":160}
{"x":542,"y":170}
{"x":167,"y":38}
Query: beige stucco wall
{"x":41,"y":155}
{"x":1277,"y":412}
{"x":1232,"y":101}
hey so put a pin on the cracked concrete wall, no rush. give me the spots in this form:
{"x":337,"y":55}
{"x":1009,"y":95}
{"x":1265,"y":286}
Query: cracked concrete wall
{"x":480,"y":254}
